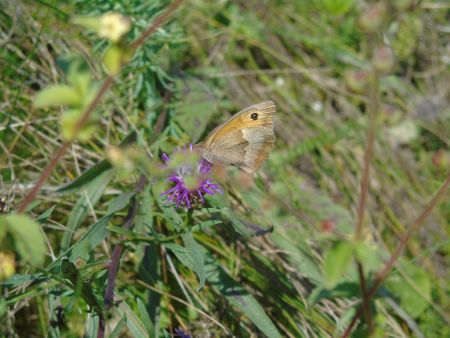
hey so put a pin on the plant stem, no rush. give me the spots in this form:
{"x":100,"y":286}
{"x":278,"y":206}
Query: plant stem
{"x":372,"y":108}
{"x":115,"y":258}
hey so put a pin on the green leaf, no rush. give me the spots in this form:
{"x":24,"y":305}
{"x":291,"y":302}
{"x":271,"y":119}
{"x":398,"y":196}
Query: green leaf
{"x":118,"y":329}
{"x":176,"y":248}
{"x":82,"y":287}
{"x":341,"y":290}
{"x":239,"y":297}
{"x":57,"y":94}
{"x":239,"y":226}
{"x":196,"y":251}
{"x":91,"y":22}
{"x":191,"y":256}
{"x":172,"y":217}
{"x":414,"y":291}
{"x":79,"y":77}
{"x":197,"y":108}
{"x":369,"y":255}
{"x":3,"y":307}
{"x":298,"y":254}
{"x":120,"y":202}
{"x":336,"y":262}
{"x":150,"y":272}
{"x":3,"y":227}
{"x":113,"y":59}
{"x":205,"y":224}
{"x":145,"y":317}
{"x":91,"y":326}
{"x":89,"y":198}
{"x":134,"y":324}
{"x":144,"y":219}
{"x":244,"y":228}
{"x":98,"y":232}
{"x":18,"y":280}
{"x":338,"y":7}
{"x":45,"y":215}
{"x":28,"y":238}
{"x":119,"y":230}
{"x":194,"y":259}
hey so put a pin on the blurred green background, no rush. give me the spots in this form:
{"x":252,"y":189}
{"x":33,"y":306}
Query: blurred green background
{"x":210,"y":60}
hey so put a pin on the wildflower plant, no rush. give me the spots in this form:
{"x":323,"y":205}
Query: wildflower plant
{"x":190,"y":176}
{"x":128,"y":260}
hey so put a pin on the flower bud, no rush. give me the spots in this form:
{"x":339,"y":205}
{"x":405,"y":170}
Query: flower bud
{"x":119,"y":158}
{"x":113,"y":26}
{"x":356,"y":80}
{"x":372,"y":17}
{"x":390,"y":115}
{"x":7,"y":265}
{"x":383,"y":59}
{"x":327,"y":225}
{"x":403,"y":5}
{"x":441,"y":159}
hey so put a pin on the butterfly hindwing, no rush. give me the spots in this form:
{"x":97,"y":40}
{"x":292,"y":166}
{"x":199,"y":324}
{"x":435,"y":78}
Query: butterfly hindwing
{"x":245,"y":140}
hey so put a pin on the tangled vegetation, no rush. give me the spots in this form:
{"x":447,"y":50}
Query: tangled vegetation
{"x":343,"y":231}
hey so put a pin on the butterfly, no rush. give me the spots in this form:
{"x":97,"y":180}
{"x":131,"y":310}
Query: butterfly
{"x":244,"y":140}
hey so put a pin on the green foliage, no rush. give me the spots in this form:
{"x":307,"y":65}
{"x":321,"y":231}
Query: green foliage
{"x":413,"y":288}
{"x":58,"y":94}
{"x":337,"y":259}
{"x":272,"y":255}
{"x":28,"y":238}
{"x":240,"y":298}
{"x":338,"y":7}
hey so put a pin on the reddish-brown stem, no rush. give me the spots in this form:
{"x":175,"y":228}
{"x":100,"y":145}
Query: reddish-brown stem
{"x":373,"y":108}
{"x":62,"y":150}
{"x":117,"y":252}
{"x":365,"y":296}
{"x":382,"y":274}
{"x":45,"y":174}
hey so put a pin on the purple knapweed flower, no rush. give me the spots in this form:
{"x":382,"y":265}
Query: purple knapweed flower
{"x":190,"y":175}
{"x":180,"y":333}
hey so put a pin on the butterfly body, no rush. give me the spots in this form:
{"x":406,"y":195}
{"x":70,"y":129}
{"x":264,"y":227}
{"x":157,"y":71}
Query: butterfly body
{"x":245,"y":140}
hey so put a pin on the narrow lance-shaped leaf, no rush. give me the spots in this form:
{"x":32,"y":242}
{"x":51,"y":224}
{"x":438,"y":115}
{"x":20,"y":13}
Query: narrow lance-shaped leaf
{"x":88,"y":198}
{"x":239,"y":297}
{"x":57,"y":94}
{"x":135,"y":325}
{"x":193,"y":258}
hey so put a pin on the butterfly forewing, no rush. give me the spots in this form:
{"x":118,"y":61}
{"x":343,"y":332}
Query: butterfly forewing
{"x":245,"y":140}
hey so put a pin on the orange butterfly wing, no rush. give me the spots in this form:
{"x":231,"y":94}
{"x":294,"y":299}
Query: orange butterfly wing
{"x":245,"y":140}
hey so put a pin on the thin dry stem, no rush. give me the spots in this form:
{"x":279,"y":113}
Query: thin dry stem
{"x":373,"y":107}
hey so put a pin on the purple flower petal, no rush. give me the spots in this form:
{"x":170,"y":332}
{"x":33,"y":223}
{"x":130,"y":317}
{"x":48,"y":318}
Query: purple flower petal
{"x":179,"y":193}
